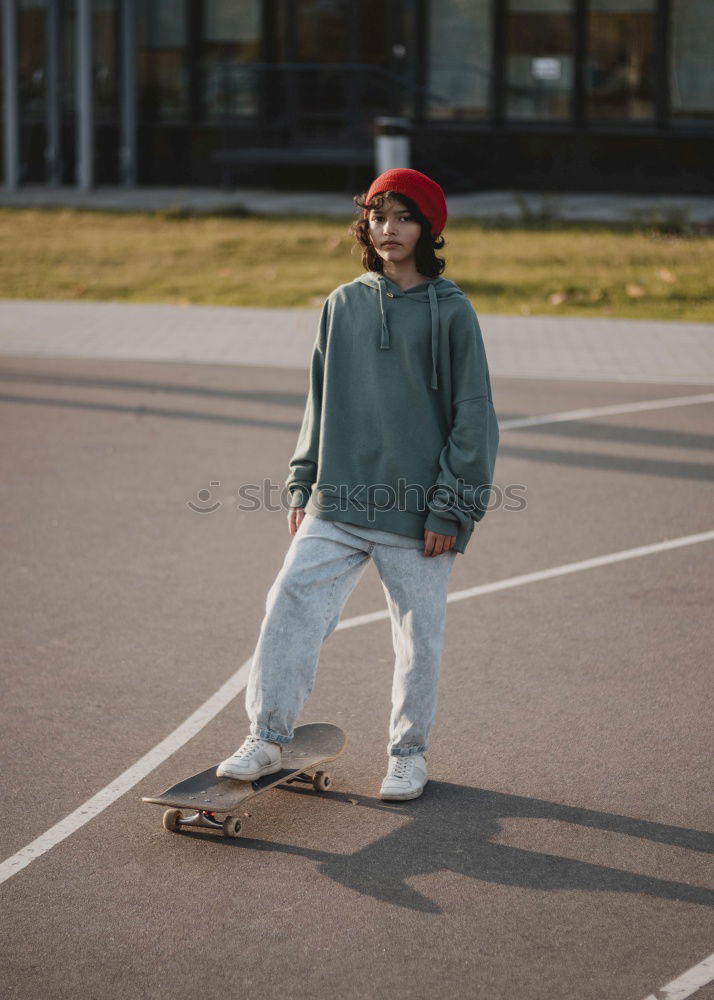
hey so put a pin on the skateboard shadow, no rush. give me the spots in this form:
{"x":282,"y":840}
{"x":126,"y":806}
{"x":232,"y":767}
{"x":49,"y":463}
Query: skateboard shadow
{"x":451,"y":829}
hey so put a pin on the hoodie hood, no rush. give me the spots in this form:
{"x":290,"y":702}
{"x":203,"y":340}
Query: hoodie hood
{"x":432,"y":291}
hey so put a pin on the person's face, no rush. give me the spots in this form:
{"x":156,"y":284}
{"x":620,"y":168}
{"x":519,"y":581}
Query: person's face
{"x":393,"y":231}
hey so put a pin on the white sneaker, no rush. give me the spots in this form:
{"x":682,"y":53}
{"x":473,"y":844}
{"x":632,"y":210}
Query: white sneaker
{"x":251,"y":760}
{"x":405,"y":778}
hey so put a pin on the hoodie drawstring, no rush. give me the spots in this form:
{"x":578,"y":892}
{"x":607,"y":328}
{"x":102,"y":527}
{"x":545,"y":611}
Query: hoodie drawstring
{"x":385,"y":341}
{"x":434,"y":310}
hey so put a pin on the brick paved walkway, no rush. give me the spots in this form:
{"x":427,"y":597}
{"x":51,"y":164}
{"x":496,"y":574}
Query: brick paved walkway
{"x":527,"y":346}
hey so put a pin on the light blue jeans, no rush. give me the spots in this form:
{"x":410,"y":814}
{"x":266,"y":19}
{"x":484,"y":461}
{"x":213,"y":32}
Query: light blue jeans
{"x":321,"y":569}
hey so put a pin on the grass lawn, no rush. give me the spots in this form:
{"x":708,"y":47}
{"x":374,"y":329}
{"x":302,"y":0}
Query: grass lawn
{"x":557,"y":269}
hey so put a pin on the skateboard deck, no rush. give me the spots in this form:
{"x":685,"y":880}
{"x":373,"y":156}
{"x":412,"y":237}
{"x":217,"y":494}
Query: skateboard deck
{"x":213,"y":801}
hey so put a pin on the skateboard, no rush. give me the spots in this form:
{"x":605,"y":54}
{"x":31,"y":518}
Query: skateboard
{"x":213,"y":802}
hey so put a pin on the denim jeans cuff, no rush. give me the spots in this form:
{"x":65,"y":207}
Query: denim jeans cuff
{"x":268,"y":734}
{"x":406,"y":751}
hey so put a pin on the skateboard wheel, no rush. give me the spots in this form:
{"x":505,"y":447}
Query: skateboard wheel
{"x":172,"y":820}
{"x":321,"y":781}
{"x":231,"y":826}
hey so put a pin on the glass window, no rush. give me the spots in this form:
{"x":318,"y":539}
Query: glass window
{"x":691,"y":59}
{"x":323,"y":31}
{"x":104,"y":59}
{"x":389,"y":57}
{"x":32,"y":63}
{"x":539,"y":59}
{"x":355,"y":60}
{"x":162,"y":60}
{"x":460,"y":58}
{"x":323,"y":45}
{"x":620,"y":67}
{"x":67,"y":60}
{"x":231,"y":44}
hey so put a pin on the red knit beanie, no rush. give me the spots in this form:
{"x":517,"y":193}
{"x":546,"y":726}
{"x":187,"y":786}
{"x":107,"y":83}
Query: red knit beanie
{"x":427,"y":194}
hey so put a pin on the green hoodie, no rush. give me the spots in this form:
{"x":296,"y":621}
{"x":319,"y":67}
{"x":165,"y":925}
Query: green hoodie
{"x":399,"y":431}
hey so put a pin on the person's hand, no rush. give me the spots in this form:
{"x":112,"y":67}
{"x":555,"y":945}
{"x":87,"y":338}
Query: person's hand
{"x":295,"y":516}
{"x":435,"y":544}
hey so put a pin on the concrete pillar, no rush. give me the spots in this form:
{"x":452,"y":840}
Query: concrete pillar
{"x":85,"y":97}
{"x":11,"y":121}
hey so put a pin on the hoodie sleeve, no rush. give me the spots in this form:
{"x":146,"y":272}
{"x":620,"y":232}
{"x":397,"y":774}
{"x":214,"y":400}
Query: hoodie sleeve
{"x":467,"y":460}
{"x":303,"y":464}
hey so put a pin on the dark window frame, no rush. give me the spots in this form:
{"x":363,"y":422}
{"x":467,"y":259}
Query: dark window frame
{"x":280,"y":89}
{"x":661,"y":122}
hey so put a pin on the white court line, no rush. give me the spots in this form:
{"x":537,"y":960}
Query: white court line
{"x":235,"y":684}
{"x":547,"y":574}
{"x":619,"y":376}
{"x":604,"y":411}
{"x":686,"y":984}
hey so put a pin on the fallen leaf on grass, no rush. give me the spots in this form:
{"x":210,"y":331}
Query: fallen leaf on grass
{"x":664,"y":274}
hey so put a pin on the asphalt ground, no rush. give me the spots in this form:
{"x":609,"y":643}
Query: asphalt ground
{"x":562,"y":848}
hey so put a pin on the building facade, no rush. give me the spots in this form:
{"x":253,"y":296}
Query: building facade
{"x":528,"y":94}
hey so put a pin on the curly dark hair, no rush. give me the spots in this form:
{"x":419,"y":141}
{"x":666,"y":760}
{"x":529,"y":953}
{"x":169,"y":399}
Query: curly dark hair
{"x":426,"y":261}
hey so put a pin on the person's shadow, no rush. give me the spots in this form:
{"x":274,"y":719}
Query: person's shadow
{"x":451,"y":829}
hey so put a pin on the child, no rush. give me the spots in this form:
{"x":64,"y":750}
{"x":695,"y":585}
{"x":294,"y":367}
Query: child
{"x":395,"y":461}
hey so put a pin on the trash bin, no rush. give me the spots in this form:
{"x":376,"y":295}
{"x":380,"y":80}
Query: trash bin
{"x":392,"y":143}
